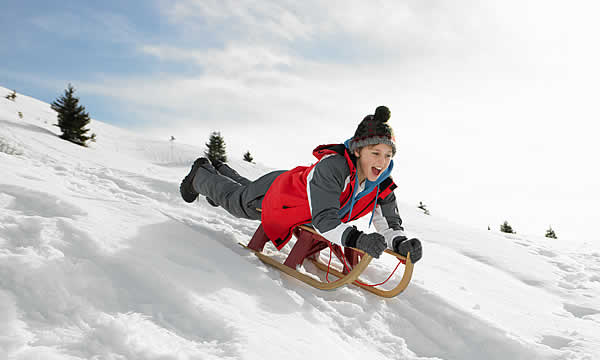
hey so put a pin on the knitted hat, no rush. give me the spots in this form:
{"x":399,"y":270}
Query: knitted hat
{"x":374,"y":130}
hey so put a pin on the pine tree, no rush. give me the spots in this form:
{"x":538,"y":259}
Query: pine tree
{"x":550,"y":233}
{"x":506,"y":228}
{"x":216,"y":148}
{"x":423,"y":207}
{"x":12,"y":96}
{"x":72,"y":118}
{"x":248,"y":157}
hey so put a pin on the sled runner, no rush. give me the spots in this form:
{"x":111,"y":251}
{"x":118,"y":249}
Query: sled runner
{"x":308,"y":246}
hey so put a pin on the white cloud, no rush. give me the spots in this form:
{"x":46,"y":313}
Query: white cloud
{"x":401,"y":29}
{"x":239,"y":60}
{"x":247,"y":18}
{"x":261,"y":73}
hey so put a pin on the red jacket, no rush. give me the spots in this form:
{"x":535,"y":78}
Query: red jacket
{"x":286,"y":205}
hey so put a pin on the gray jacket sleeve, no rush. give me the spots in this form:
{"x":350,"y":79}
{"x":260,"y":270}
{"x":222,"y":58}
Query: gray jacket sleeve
{"x":325,"y":184}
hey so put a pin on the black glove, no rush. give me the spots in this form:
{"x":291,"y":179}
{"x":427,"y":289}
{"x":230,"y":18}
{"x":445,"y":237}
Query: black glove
{"x":403,"y":246}
{"x":373,"y":244}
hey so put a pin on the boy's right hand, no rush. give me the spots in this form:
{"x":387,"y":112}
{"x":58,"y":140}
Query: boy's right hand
{"x":403,"y":246}
{"x":373,"y":244}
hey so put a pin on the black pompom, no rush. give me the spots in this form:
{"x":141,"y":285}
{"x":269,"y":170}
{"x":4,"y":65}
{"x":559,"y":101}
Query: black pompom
{"x":382,"y":114}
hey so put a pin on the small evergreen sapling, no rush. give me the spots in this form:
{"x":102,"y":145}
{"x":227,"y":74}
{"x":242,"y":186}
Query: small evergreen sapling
{"x":507,"y":228}
{"x":550,"y":233}
{"x":248,"y":157}
{"x":12,"y":96}
{"x":216,"y":148}
{"x":72,"y":118}
{"x":423,"y":207}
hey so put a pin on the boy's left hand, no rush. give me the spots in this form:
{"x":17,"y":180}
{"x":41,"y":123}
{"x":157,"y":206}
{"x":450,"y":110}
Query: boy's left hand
{"x":403,"y":246}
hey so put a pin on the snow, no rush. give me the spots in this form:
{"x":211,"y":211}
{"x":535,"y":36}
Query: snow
{"x":101,"y":259}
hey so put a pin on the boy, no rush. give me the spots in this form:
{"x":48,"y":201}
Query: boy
{"x":349,"y":181}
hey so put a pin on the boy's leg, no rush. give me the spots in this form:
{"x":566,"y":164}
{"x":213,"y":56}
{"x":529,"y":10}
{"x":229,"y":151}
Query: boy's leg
{"x":239,"y":200}
{"x":226,"y":170}
{"x":256,"y":190}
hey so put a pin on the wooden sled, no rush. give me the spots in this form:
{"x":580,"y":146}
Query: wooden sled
{"x":308,"y":246}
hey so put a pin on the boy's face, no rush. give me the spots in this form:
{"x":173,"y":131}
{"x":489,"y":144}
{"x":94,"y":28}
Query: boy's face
{"x":373,"y":160}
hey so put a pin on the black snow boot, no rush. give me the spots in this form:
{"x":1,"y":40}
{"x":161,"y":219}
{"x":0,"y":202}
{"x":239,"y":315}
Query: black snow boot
{"x":187,"y":188}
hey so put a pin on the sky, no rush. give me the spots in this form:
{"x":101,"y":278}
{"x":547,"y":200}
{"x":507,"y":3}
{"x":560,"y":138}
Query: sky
{"x":493,"y":103}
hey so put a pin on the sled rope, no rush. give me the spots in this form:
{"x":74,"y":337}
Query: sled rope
{"x":348,"y":269}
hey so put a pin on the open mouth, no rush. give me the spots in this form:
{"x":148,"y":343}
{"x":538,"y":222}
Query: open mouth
{"x":375,"y":171}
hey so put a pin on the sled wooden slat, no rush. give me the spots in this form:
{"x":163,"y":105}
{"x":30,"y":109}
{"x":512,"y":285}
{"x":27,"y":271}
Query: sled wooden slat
{"x":408,"y":270}
{"x":343,"y":278}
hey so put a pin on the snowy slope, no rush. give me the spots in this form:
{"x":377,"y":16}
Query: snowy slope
{"x":101,"y":259}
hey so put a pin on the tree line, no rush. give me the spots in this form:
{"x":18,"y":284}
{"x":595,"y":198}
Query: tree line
{"x":73,"y":119}
{"x":215,"y":149}
{"x":506,"y":228}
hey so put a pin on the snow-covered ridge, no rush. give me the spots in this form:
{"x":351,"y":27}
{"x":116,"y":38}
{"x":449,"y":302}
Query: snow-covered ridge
{"x":100,"y":258}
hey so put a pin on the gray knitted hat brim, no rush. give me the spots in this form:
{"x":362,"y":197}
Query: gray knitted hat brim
{"x":374,"y":140}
